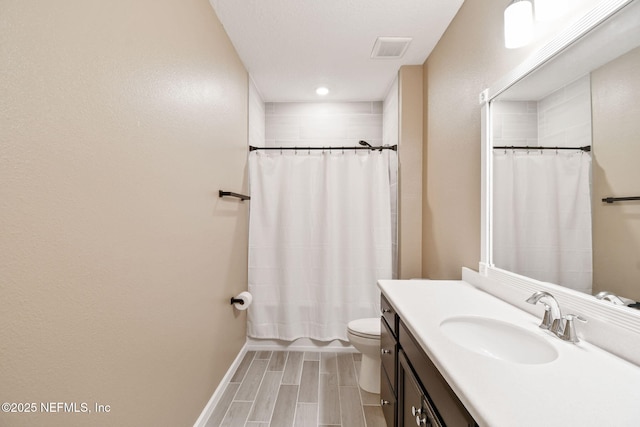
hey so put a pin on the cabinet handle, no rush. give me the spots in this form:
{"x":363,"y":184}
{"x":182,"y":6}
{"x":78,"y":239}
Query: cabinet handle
{"x":416,"y":411}
{"x":386,"y":310}
{"x":424,"y":421}
{"x":385,"y":351}
{"x":384,"y":402}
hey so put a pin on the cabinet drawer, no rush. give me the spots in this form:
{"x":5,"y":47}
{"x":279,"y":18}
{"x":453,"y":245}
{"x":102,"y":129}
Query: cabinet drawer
{"x":388,"y":351}
{"x":449,"y":408}
{"x":387,"y":400}
{"x":389,"y":314}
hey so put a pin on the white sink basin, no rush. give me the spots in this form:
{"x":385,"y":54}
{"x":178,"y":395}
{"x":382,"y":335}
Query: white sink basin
{"x":498,"y":339}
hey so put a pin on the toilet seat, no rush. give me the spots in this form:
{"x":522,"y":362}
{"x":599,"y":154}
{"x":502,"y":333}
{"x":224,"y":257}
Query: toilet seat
{"x":365,"y":328}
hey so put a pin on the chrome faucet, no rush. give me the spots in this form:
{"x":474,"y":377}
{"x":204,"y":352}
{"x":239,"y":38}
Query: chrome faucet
{"x":608,"y":296}
{"x":562,"y":326}
{"x":552,"y":318}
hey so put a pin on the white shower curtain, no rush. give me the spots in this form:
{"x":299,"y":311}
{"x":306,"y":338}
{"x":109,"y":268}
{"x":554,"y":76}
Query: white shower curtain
{"x":542,"y":216}
{"x":319,"y":239}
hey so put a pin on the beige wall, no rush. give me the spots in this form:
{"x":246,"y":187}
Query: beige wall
{"x":468,"y":58}
{"x":616,"y":149}
{"x":119,"y":120}
{"x":410,"y":170}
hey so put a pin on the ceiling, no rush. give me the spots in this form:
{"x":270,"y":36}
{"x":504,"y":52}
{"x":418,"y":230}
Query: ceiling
{"x":291,"y":47}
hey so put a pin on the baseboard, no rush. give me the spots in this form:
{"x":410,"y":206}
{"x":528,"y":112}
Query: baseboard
{"x":217,"y":394}
{"x":302,"y":344}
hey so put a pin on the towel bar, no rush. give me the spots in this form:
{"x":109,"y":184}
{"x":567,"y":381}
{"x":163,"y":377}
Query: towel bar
{"x":242,"y":197}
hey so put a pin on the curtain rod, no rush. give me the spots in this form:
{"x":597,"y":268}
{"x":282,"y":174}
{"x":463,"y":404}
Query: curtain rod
{"x":586,"y":148}
{"x":392,"y":147}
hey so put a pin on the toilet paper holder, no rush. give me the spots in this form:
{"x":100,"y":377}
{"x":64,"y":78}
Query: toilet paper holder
{"x":242,"y":301}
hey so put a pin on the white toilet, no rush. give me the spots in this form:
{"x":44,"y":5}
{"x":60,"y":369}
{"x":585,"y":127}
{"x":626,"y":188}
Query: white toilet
{"x":364,"y":335}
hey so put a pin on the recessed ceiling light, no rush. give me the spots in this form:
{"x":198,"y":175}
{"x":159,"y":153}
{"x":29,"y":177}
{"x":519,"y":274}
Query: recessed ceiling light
{"x":322,"y":91}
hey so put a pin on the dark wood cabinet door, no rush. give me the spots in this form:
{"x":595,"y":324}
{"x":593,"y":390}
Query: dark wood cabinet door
{"x":388,"y":352}
{"x":414,"y":408}
{"x":387,"y":399}
{"x":449,"y":408}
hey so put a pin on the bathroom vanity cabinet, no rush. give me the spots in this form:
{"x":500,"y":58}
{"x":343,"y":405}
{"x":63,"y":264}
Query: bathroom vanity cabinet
{"x":440,"y":379}
{"x":412,"y":390}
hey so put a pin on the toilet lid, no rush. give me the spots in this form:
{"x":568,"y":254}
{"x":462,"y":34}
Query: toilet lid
{"x":368,"y":328}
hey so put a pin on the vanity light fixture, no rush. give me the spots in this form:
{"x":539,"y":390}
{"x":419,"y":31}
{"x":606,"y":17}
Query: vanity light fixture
{"x":518,"y":23}
{"x":322,"y":91}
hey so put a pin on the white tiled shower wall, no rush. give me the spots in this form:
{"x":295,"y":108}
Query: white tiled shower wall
{"x":561,"y":119}
{"x":515,"y":123}
{"x":564,"y":117}
{"x":322,"y":124}
{"x":390,"y":136}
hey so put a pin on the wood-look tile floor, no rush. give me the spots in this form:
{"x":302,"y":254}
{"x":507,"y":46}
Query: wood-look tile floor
{"x":297,"y":389}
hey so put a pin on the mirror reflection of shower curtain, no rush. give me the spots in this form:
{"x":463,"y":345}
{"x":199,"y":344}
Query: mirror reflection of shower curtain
{"x":542,"y":216}
{"x":319,"y":239}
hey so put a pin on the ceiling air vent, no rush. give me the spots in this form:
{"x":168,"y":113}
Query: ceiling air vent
{"x":390,"y":47}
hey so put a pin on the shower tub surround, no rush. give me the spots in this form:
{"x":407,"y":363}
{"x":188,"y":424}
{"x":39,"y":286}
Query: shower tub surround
{"x":583,"y":385}
{"x":303,"y":249}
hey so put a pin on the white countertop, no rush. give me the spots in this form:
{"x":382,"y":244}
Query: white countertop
{"x":584,"y":386}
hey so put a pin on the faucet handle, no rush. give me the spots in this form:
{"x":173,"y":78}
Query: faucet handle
{"x":569,"y":331}
{"x":546,"y":318}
